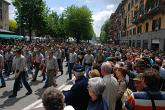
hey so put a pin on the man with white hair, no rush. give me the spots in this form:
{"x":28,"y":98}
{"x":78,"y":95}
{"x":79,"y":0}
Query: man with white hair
{"x":110,"y":92}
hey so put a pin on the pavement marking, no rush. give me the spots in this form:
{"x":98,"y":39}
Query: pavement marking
{"x":38,"y":103}
{"x":33,"y":105}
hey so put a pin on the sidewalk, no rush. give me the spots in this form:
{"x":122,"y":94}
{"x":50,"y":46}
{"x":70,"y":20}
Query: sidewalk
{"x":37,"y":105}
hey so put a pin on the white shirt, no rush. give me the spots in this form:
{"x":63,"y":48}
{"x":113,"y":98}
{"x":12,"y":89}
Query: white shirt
{"x":19,"y":63}
{"x":72,"y":57}
{"x":51,"y":63}
{"x":88,"y":59}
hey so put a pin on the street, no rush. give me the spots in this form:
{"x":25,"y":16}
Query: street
{"x":22,"y":102}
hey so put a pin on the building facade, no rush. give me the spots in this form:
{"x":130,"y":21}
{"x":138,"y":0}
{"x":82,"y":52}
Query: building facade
{"x":141,"y":23}
{"x":4,"y":15}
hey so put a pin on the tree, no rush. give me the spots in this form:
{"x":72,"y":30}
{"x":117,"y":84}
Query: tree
{"x":30,"y":14}
{"x":12,"y":25}
{"x":104,"y":31}
{"x":78,"y":22}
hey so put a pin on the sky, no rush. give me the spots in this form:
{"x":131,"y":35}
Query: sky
{"x":101,"y":9}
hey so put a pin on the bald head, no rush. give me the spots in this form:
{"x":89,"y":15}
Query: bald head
{"x":106,"y":68}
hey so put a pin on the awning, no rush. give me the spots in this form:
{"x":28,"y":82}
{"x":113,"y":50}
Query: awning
{"x":10,"y":36}
{"x":155,"y":41}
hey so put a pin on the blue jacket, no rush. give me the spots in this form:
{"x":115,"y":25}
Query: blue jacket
{"x":78,"y":96}
{"x":99,"y":104}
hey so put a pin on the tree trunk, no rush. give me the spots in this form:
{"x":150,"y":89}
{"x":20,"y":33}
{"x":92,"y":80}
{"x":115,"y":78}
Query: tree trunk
{"x":30,"y":32}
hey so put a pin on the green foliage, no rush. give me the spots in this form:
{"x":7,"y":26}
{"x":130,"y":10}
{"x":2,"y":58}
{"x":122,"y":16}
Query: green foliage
{"x":30,"y":14}
{"x":34,"y":16}
{"x":104,"y":31}
{"x":12,"y":25}
{"x":78,"y":22}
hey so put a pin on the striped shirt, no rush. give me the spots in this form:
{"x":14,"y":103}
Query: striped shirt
{"x":142,"y":101}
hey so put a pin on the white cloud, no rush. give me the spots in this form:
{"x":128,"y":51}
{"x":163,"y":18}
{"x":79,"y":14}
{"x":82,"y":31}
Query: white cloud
{"x":101,"y":16}
{"x":104,"y":1}
{"x":59,"y":10}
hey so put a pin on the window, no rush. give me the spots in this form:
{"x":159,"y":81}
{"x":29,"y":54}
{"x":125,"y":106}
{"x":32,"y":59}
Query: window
{"x":132,"y":3}
{"x":147,"y":25}
{"x":153,"y":25}
{"x":156,"y":24}
{"x":159,"y":23}
{"x":138,"y":43}
{"x":145,"y":44}
{"x":133,"y":43}
{"x":1,"y":14}
{"x":130,"y":43}
{"x":130,"y":32}
{"x":139,"y":29}
{"x":0,"y":4}
{"x":129,"y":7}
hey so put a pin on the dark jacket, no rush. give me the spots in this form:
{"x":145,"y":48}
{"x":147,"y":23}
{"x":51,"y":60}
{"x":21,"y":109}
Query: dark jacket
{"x":78,"y":96}
{"x":99,"y":104}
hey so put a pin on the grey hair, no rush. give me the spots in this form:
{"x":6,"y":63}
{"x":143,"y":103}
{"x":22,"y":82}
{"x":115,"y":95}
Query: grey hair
{"x":107,"y":67}
{"x":97,"y":84}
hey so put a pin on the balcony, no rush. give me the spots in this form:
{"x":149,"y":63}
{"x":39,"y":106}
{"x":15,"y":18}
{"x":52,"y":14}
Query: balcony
{"x":142,"y":15}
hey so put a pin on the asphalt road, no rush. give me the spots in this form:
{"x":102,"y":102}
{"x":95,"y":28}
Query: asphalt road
{"x":22,"y":101}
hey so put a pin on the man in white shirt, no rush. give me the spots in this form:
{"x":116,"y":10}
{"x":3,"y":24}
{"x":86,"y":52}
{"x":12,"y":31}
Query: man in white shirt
{"x":88,"y":62}
{"x":52,"y":70}
{"x":72,"y":61}
{"x":19,"y":66}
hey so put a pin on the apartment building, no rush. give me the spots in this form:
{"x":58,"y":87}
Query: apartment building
{"x":4,"y":15}
{"x":141,"y":23}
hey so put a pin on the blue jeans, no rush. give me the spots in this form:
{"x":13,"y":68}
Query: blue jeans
{"x":21,"y":77}
{"x":2,"y":79}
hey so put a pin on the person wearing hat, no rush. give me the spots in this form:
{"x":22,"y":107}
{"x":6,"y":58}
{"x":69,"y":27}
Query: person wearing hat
{"x":78,"y":96}
{"x":140,"y":66}
{"x":150,"y":98}
{"x":139,"y":82}
{"x":19,"y":66}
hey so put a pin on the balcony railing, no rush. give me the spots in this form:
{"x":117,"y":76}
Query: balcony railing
{"x":141,"y":17}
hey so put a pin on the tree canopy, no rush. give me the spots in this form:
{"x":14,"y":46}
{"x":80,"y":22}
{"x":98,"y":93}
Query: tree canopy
{"x":35,"y":16}
{"x":30,"y":14}
{"x":12,"y":25}
{"x":104,"y":32}
{"x":78,"y":22}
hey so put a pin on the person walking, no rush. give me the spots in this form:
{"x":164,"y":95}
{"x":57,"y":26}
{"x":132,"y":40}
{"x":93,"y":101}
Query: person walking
{"x":52,"y":70}
{"x":59,"y":59}
{"x":3,"y":84}
{"x":38,"y":64}
{"x":72,"y":61}
{"x":19,"y":66}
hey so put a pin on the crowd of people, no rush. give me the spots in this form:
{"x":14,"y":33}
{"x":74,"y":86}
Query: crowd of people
{"x":108,"y":77}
